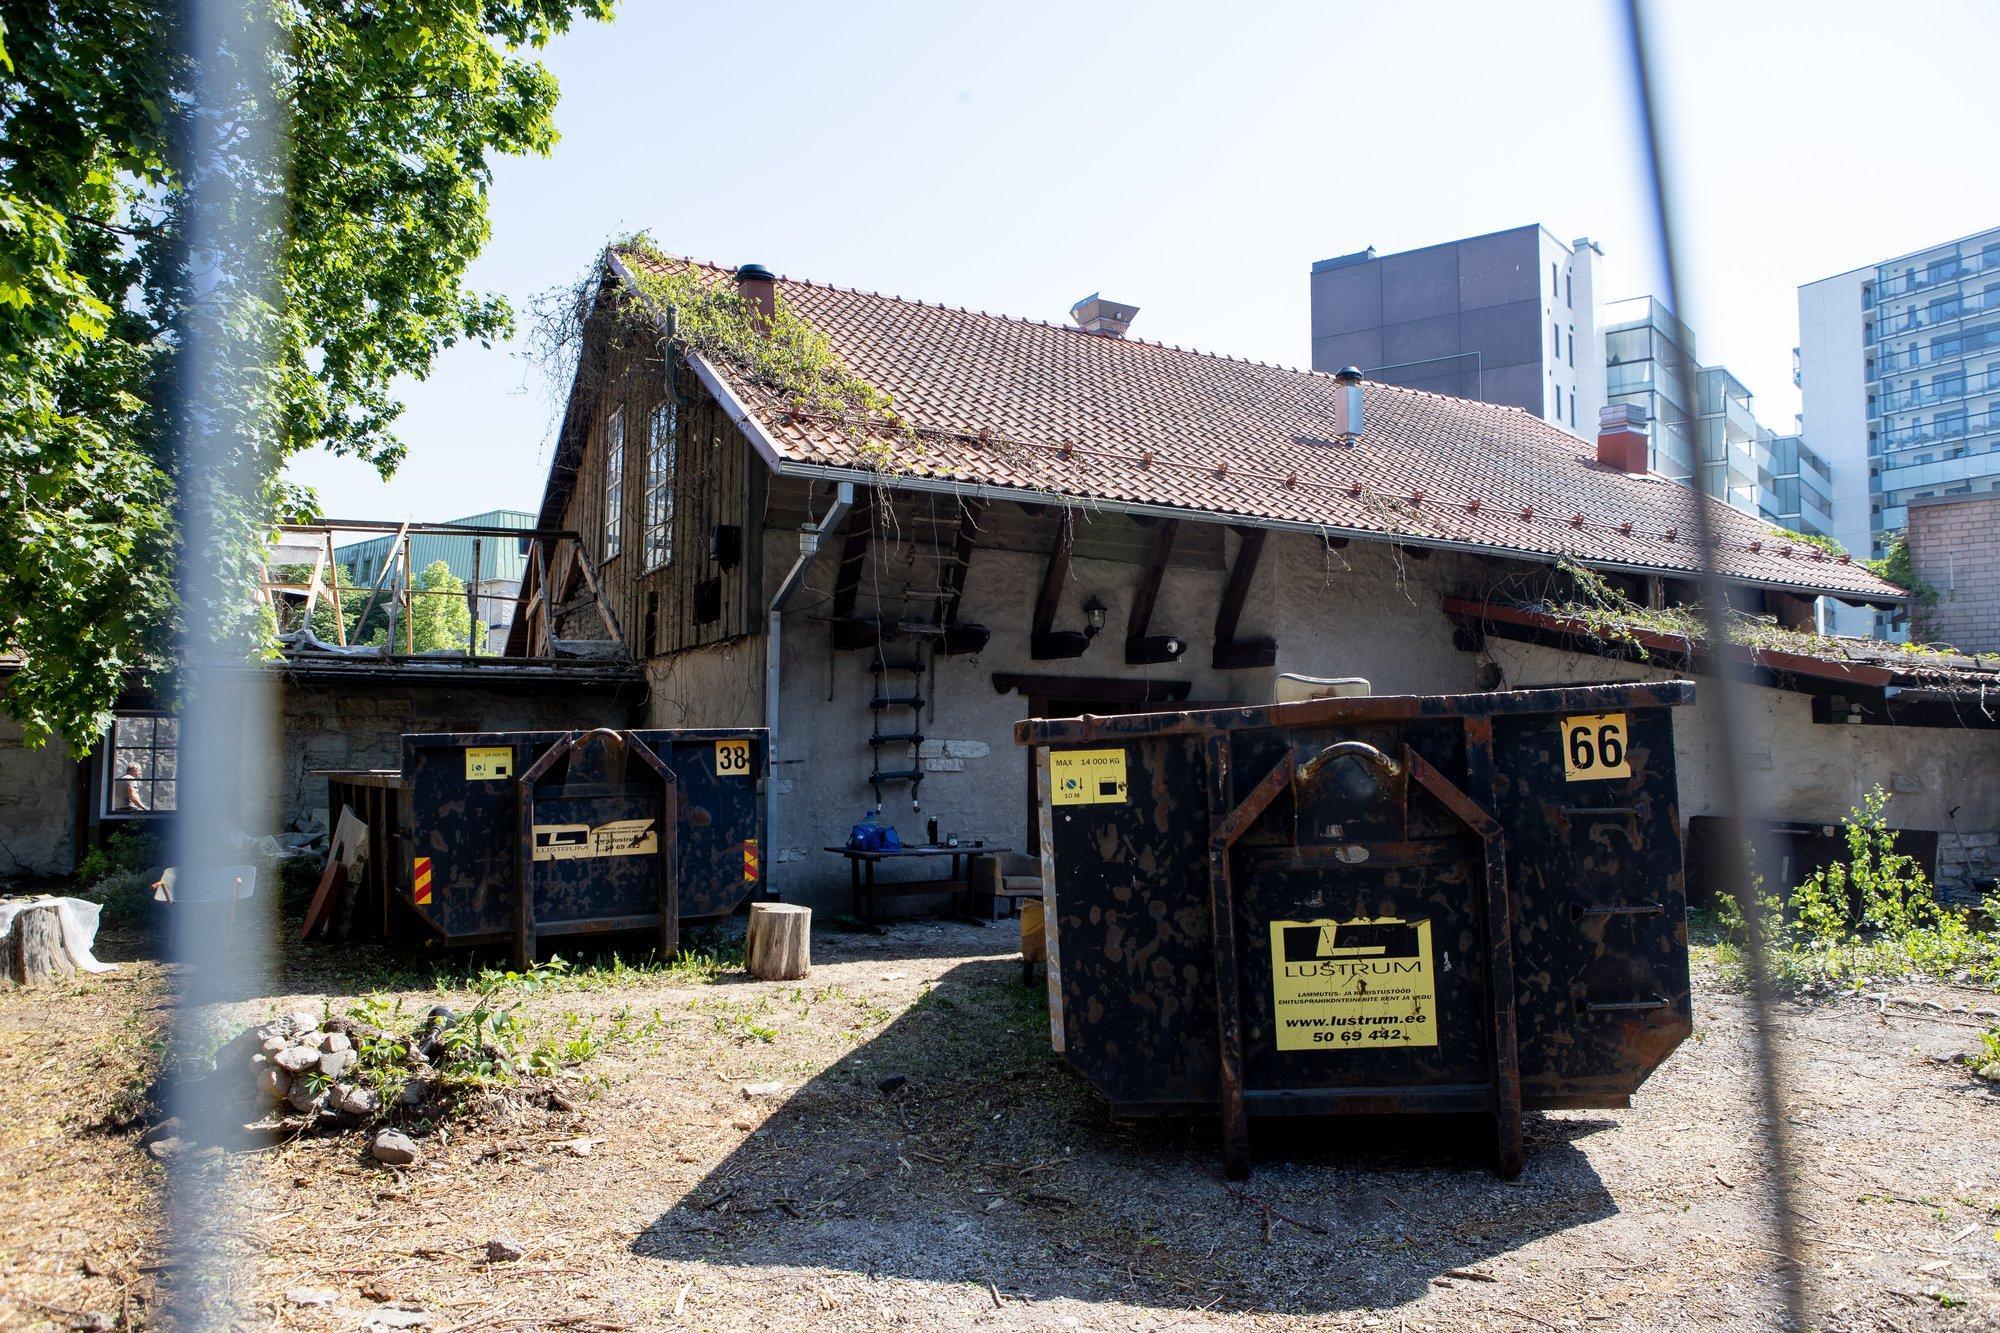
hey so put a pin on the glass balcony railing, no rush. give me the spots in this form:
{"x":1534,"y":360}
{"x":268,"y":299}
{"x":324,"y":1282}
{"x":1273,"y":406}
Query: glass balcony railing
{"x":1924,"y":395}
{"x":1940,"y":349}
{"x":1935,"y":316}
{"x":1935,"y":273}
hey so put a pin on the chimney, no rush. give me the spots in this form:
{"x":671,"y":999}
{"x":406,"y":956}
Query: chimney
{"x":758,"y":287}
{"x":1622,"y":437}
{"x":1348,"y":420}
{"x":1107,"y":319}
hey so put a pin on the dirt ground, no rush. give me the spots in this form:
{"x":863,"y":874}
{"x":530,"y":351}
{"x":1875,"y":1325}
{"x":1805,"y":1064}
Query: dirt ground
{"x":991,"y":1190}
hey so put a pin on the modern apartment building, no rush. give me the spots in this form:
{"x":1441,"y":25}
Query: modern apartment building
{"x":1707,"y":433}
{"x":1508,"y":317}
{"x":1899,"y":369}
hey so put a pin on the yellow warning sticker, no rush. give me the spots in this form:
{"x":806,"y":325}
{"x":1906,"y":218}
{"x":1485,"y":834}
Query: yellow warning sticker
{"x":581,"y":842}
{"x":1361,"y":985}
{"x":732,"y":759}
{"x":1087,"y":777}
{"x":420,"y":881}
{"x":1593,"y":746}
{"x":486,"y":762}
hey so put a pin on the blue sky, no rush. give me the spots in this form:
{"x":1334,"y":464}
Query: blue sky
{"x":1195,"y":160}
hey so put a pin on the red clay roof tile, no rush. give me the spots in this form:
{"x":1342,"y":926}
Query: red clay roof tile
{"x":1006,"y":402}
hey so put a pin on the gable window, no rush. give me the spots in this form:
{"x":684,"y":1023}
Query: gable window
{"x":141,"y":775}
{"x":662,"y":428}
{"x":614,"y":482}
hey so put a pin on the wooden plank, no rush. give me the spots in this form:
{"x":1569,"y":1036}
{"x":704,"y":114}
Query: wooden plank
{"x":339,"y":619}
{"x":546,"y":597}
{"x":969,"y":512}
{"x":1238,"y":588}
{"x":375,"y":590}
{"x":856,"y":533}
{"x":1055,"y":574}
{"x":409,"y":601}
{"x":472,"y":600}
{"x":603,"y":607}
{"x":1150,"y":578}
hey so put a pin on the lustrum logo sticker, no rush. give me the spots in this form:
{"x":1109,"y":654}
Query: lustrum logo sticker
{"x":1353,"y":985}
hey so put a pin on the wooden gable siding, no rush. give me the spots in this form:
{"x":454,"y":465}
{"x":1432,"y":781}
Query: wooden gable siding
{"x":700,"y":595}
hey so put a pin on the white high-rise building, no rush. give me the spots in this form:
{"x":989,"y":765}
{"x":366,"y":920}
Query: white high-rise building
{"x":1899,"y":369}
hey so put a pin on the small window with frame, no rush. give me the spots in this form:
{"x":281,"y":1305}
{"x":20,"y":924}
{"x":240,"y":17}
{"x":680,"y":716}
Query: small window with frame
{"x":142,"y":766}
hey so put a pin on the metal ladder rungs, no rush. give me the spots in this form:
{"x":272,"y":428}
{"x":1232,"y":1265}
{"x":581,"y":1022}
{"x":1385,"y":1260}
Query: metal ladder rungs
{"x":879,"y":703}
{"x":896,"y":775}
{"x":897,"y":738}
{"x":898,"y":664}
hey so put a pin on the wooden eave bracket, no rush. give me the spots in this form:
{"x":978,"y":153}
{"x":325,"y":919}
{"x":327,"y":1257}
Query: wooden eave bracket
{"x":1232,"y":653}
{"x":1142,"y":648}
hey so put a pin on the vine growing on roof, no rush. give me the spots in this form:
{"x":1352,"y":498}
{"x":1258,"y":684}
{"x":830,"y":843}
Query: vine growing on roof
{"x":788,"y":359}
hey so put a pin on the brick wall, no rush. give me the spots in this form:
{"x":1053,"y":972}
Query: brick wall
{"x":1955,"y":547}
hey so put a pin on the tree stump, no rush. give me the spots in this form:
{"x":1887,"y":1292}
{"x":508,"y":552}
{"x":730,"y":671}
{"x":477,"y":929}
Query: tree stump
{"x":778,"y":946}
{"x":34,"y":949}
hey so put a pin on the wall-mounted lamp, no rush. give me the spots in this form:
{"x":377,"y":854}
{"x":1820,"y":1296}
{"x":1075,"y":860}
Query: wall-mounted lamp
{"x":1093,"y":617}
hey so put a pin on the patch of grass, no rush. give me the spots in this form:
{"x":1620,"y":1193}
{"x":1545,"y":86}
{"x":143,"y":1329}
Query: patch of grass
{"x":711,"y":952}
{"x":493,"y":1044}
{"x":1985,"y":1059}
{"x":1874,"y":916}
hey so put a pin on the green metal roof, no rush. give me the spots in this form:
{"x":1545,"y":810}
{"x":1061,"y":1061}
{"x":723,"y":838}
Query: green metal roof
{"x":499,"y":558}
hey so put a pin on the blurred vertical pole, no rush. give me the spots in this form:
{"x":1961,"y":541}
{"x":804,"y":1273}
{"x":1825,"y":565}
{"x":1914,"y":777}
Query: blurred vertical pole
{"x":1723,"y":701}
{"x":222,"y":428}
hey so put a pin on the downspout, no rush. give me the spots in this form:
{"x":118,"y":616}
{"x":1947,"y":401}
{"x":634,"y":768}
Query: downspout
{"x":809,"y":539}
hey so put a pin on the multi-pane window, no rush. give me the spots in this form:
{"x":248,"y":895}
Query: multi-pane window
{"x":614,"y":482}
{"x":143,"y":773}
{"x":661,"y":430}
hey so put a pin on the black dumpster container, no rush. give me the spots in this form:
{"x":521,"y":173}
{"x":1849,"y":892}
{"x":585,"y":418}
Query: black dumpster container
{"x":1392,"y":904}
{"x":581,"y":818}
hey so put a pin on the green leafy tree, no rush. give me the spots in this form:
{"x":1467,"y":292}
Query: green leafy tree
{"x":440,"y":619}
{"x":350,"y":271}
{"x":439,"y":616}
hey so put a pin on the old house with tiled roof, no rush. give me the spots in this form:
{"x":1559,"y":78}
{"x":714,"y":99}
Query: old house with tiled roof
{"x":890,"y":528}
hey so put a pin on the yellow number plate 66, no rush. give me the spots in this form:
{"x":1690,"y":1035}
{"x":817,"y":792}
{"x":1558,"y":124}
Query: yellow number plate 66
{"x":732,"y":759}
{"x":1593,"y":746}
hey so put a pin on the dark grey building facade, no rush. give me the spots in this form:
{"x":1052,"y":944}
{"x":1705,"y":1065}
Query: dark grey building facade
{"x":1508,"y":317}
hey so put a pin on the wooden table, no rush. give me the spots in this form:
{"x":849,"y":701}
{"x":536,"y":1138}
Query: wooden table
{"x":861,"y":864}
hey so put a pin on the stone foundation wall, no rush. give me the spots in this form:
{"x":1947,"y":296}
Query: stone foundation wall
{"x":1968,"y":864}
{"x":38,"y":792}
{"x":360,"y":724}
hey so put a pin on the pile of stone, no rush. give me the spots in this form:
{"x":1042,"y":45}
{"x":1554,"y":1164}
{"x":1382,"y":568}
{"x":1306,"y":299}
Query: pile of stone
{"x":304,"y":1072}
{"x":306,"y":1066}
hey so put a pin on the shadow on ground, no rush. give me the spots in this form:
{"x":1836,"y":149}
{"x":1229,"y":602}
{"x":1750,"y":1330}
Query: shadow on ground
{"x":994,"y":1164}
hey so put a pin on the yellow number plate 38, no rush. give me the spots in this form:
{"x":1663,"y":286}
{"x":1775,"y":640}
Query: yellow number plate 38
{"x":732,"y":759}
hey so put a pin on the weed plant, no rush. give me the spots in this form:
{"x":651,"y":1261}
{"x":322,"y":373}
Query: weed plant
{"x":1874,"y":916}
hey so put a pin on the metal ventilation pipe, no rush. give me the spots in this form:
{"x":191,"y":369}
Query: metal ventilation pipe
{"x":809,"y":540}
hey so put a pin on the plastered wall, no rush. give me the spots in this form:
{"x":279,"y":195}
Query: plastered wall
{"x":1359,"y":611}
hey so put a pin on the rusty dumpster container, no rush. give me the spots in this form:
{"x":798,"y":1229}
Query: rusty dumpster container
{"x":611,"y":831}
{"x":1453,"y":903}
